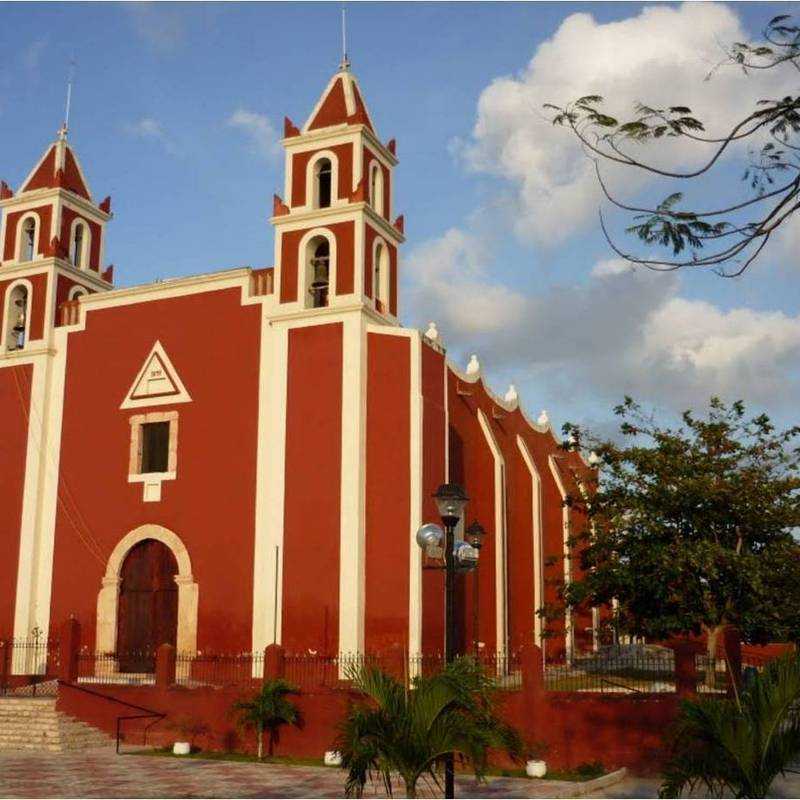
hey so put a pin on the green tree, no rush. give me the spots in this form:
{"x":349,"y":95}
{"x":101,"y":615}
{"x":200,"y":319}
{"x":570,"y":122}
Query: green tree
{"x":690,"y":529}
{"x":730,"y":235}
{"x":739,"y":745}
{"x":269,"y":709}
{"x":409,"y":731}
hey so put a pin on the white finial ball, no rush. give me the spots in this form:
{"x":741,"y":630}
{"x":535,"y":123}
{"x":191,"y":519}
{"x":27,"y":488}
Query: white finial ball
{"x":474,"y":366}
{"x":433,"y":332}
{"x":543,"y":418}
{"x":511,"y":394}
{"x":594,"y":459}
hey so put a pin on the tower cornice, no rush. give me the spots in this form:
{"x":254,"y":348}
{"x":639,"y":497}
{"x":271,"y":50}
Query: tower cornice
{"x":317,"y":137}
{"x":298,"y":218}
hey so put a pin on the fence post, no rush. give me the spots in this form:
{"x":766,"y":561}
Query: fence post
{"x":69,"y":645}
{"x":274,"y":662}
{"x":732,"y":643}
{"x":165,"y":666}
{"x":532,"y":666}
{"x":685,"y":669}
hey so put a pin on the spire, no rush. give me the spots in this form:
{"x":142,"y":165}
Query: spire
{"x":58,"y":168}
{"x":340,"y":103}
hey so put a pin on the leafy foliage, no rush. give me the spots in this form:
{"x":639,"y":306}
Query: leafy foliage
{"x":410,"y":731}
{"x":691,"y":529}
{"x":738,"y":745}
{"x":269,"y":709}
{"x":728,"y":238}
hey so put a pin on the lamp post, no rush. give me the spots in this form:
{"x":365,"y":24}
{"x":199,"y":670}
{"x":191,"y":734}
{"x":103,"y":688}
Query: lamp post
{"x":450,"y":501}
{"x":474,"y":537}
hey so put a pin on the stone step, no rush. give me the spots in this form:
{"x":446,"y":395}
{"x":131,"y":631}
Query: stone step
{"x":33,"y":723}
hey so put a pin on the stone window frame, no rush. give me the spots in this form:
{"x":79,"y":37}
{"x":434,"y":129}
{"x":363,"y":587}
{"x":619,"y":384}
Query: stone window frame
{"x":151,"y":490}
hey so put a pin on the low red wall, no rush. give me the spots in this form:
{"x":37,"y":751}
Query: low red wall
{"x":100,"y":706}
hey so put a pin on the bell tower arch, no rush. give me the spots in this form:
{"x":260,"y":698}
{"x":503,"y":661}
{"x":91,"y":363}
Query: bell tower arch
{"x":339,"y":184}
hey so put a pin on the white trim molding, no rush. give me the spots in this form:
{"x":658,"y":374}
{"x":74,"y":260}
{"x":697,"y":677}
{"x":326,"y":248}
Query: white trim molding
{"x":538,"y":548}
{"x":501,"y":545}
{"x":157,"y":383}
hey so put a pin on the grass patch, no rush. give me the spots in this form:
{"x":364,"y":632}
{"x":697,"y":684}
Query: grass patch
{"x":214,"y":755}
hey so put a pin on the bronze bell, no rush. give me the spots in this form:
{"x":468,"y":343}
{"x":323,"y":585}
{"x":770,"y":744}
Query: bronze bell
{"x":319,"y":286}
{"x":19,"y":327}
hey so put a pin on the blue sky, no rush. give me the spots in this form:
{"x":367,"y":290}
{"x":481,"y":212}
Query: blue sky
{"x":159,"y":89}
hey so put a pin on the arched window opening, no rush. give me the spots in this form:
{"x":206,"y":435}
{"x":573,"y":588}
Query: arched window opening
{"x":323,"y":172}
{"x":376,"y":188}
{"x":318,"y":272}
{"x":28,"y":240}
{"x":78,"y":239}
{"x":77,"y":291}
{"x":17,"y":316}
{"x":380,"y":277}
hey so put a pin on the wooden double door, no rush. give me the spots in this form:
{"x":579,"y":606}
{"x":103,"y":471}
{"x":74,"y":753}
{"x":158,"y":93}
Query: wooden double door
{"x":147,"y":615}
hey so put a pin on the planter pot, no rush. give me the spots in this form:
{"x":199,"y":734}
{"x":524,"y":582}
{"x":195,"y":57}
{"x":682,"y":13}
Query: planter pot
{"x":535,"y":769}
{"x":181,"y":748}
{"x":333,"y":758}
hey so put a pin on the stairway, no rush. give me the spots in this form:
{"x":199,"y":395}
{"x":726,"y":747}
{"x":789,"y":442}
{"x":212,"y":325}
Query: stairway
{"x":32,"y":723}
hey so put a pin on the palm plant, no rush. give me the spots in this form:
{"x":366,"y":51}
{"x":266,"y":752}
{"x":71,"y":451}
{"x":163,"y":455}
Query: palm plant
{"x":268,"y":709}
{"x":739,"y":745}
{"x":410,"y":730}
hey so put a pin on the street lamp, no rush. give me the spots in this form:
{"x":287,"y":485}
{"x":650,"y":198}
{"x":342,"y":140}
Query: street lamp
{"x":450,"y":501}
{"x":474,"y":536}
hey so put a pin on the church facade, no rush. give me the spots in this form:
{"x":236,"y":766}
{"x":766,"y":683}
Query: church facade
{"x":164,"y":483}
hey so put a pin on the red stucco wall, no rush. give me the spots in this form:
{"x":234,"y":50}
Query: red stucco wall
{"x":312,"y":489}
{"x":213,"y":343}
{"x":387,"y":491}
{"x":15,"y":389}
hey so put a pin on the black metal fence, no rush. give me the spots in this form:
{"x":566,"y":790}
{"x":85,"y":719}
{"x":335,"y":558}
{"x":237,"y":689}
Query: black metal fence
{"x":28,"y":666}
{"x":615,"y":671}
{"x":134,"y":668}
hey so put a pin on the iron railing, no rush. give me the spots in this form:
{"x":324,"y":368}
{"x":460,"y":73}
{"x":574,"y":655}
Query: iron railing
{"x":134,"y":668}
{"x":28,"y":666}
{"x":615,"y":671}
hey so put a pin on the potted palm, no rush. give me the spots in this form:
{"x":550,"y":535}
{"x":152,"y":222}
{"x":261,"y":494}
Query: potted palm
{"x":738,"y":745}
{"x":397,"y":730}
{"x":269,"y":709}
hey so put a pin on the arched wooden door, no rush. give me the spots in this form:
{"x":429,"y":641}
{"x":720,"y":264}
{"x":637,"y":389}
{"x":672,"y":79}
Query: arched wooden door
{"x":148,"y":605}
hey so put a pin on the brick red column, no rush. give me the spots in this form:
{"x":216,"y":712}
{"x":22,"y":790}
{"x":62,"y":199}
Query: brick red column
{"x":69,"y":645}
{"x":685,"y":669}
{"x":165,"y":666}
{"x":532,"y":666}
{"x":274,"y":662}
{"x":732,"y":643}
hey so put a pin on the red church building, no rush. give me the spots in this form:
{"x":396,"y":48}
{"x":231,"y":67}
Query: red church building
{"x":163,"y":483}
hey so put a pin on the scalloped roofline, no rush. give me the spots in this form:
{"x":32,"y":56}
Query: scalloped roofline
{"x":508,"y":406}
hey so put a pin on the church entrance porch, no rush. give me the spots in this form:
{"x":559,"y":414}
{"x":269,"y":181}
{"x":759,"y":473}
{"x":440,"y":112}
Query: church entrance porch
{"x":148,"y":605}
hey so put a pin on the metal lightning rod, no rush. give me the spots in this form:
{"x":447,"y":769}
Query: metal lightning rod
{"x":345,"y":62}
{"x":70,"y":78}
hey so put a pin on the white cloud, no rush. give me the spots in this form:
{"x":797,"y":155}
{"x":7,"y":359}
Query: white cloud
{"x":622,"y":331}
{"x":161,"y":25}
{"x":260,"y":130}
{"x":151,"y":129}
{"x":660,"y":57}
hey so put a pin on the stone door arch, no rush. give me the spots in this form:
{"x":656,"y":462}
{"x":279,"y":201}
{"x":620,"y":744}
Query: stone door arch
{"x":108,"y":597}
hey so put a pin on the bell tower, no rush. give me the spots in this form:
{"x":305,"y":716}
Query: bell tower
{"x":336,"y":238}
{"x":52,"y":241}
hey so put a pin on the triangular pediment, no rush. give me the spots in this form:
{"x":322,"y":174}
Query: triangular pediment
{"x":157,"y":382}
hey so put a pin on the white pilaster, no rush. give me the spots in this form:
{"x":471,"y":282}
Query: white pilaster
{"x":352,"y":577}
{"x":270,"y":482}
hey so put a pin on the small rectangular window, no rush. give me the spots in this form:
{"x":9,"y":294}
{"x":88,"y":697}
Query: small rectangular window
{"x":155,"y":447}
